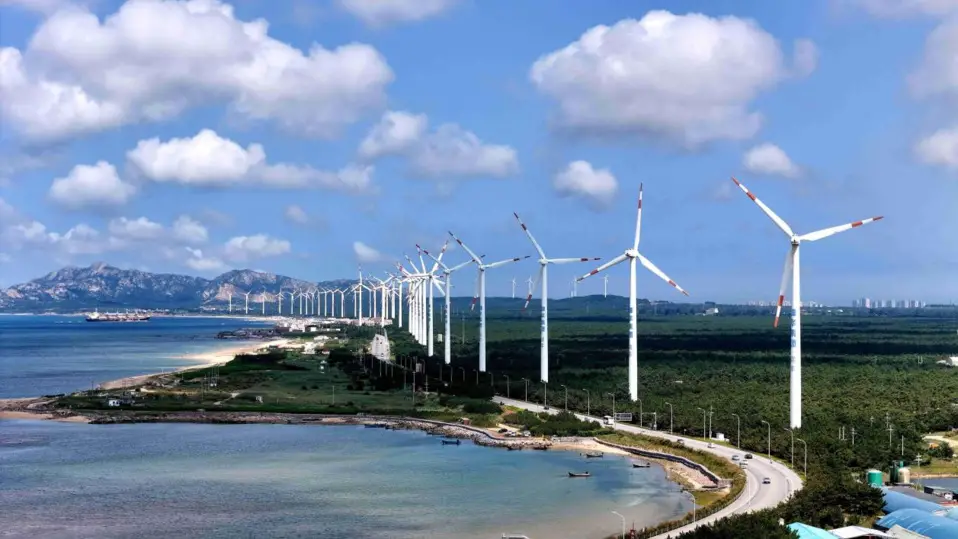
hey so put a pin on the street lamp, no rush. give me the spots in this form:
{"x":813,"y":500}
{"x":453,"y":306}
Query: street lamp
{"x":623,"y":522}
{"x":527,"y":389}
{"x":769,"y":440}
{"x":704,"y":416}
{"x":739,"y":436}
{"x":805,"y":463}
{"x":566,"y":397}
{"x":790,"y":431}
{"x":507,"y":384}
{"x":670,"y":416}
{"x":613,"y":407}
{"x":588,"y":405}
{"x":640,"y":411}
{"x":693,"y":501}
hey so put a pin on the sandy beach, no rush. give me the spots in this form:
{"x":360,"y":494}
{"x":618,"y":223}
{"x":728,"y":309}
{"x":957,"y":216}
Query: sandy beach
{"x":202,"y":360}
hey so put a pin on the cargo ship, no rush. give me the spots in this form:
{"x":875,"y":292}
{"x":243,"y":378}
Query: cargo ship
{"x":97,"y":316}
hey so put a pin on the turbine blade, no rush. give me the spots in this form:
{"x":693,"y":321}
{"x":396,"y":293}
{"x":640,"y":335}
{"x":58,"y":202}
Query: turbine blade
{"x":652,"y":267}
{"x":638,"y":221}
{"x":439,"y":288}
{"x":468,"y":250}
{"x":768,"y":211}
{"x":617,"y":260}
{"x":569,"y":260}
{"x":460,"y":266}
{"x":786,"y":277}
{"x":528,"y":233}
{"x":535,"y":283}
{"x":438,"y":260}
{"x":506,"y":261}
{"x":824,"y":233}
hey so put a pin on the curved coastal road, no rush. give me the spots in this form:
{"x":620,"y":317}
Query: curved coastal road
{"x":784,"y":482}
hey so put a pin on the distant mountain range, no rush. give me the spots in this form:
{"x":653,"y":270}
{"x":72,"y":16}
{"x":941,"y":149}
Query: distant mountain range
{"x":108,"y":287}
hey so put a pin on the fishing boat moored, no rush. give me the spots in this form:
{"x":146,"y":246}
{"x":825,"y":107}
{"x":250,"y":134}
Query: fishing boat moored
{"x":579,"y":474}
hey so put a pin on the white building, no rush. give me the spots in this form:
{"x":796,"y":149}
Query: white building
{"x":380,"y":347}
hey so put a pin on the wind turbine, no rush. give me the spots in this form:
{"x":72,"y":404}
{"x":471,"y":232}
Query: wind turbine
{"x":359,"y":302}
{"x":513,"y":288}
{"x":447,"y":274}
{"x":605,"y":286}
{"x":431,"y":283}
{"x":262,"y":301}
{"x":247,"y":302}
{"x":792,"y":272}
{"x":292,"y":301}
{"x":529,"y":283}
{"x":482,"y":295}
{"x":229,"y":296}
{"x":633,"y":255}
{"x":543,"y":276}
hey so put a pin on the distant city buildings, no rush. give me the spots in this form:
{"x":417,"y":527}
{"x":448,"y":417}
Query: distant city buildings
{"x":786,"y":303}
{"x":868,"y":303}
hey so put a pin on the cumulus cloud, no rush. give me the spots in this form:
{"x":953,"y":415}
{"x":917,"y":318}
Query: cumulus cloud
{"x":189,"y":231}
{"x":199,"y":262}
{"x":295,"y":214}
{"x":244,"y":248}
{"x":940,"y":148}
{"x":383,"y":12}
{"x":141,"y":229}
{"x":937,"y":76}
{"x":447,"y":152}
{"x":688,"y":78}
{"x":209,"y":160}
{"x":597,"y":187}
{"x":82,"y":239}
{"x":770,"y":160}
{"x":804,"y":57}
{"x":80,"y":74}
{"x":366,"y":254}
{"x":96,"y":185}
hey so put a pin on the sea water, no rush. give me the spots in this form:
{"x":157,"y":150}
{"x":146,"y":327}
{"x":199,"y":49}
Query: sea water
{"x":61,"y":480}
{"x":43,"y":355}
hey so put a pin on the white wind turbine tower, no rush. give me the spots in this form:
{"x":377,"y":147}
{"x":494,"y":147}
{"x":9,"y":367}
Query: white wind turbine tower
{"x":605,"y":286}
{"x":247,"y":302}
{"x":292,"y":301}
{"x":633,"y":255}
{"x":431,"y":284}
{"x":229,"y":298}
{"x":447,"y":274}
{"x":359,"y":302}
{"x":262,"y":301}
{"x":482,"y":295}
{"x":529,"y":283}
{"x":513,"y":288}
{"x":792,"y":273}
{"x":414,"y":299}
{"x":543,"y":276}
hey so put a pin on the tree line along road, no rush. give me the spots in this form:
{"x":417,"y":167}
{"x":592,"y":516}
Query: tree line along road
{"x":755,"y":496}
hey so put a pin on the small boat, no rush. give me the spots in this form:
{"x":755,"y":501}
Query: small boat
{"x":451,"y":442}
{"x":641,"y":464}
{"x":582,"y":474}
{"x":540,"y":447}
{"x":513,"y":447}
{"x":375,"y":425}
{"x":593,"y":455}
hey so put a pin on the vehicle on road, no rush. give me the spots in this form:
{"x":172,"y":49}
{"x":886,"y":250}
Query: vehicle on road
{"x":734,"y":457}
{"x":743,"y":464}
{"x":711,"y":445}
{"x":767,"y":481}
{"x":748,"y":456}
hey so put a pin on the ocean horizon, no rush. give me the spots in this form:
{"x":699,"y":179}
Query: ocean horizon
{"x":51,"y":354}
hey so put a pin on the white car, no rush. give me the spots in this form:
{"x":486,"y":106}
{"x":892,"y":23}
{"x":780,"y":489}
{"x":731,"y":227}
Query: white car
{"x":767,"y":481}
{"x":711,"y":445}
{"x":734,"y":457}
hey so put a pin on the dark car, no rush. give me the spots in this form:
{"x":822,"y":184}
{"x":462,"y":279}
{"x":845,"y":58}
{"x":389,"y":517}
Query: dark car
{"x":748,"y":456}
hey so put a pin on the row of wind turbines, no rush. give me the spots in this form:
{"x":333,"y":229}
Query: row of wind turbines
{"x":422,"y":281}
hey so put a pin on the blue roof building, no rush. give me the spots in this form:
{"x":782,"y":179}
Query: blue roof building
{"x":918,"y":521}
{"x":804,"y":531}
{"x":895,"y":501}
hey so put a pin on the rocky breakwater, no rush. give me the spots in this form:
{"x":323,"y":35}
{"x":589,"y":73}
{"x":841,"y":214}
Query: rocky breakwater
{"x":464,"y":432}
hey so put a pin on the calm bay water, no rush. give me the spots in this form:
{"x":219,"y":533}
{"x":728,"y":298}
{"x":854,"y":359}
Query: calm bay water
{"x":42,"y":355}
{"x":62,"y":480}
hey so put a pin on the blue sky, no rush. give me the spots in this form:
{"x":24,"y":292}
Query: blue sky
{"x":187,"y":137}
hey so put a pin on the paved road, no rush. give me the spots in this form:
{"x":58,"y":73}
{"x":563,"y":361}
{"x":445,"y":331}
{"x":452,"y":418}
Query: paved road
{"x":756,"y":496}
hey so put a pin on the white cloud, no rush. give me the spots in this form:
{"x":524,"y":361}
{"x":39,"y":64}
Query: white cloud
{"x":199,"y":262}
{"x":597,"y":187}
{"x":82,"y":239}
{"x":243,"y":248}
{"x":804,"y":57}
{"x":689,"y":78}
{"x":91,"y":186}
{"x":5,"y":258}
{"x":449,"y":151}
{"x":770,"y":160}
{"x":902,"y":8}
{"x":939,"y":148}
{"x":397,"y":132}
{"x":154,"y":59}
{"x":295,"y":214}
{"x":209,"y":160}
{"x":937,"y":76}
{"x":141,"y":229}
{"x":189,"y":231}
{"x":382,"y":12}
{"x":39,"y":6}
{"x":7,"y":212}
{"x":366,"y":254}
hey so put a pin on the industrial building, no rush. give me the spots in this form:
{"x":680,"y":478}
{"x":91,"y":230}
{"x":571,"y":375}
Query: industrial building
{"x":922,"y":522}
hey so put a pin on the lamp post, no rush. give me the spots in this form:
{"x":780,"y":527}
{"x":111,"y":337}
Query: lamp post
{"x":623,"y":522}
{"x":670,"y":416}
{"x":588,"y":405}
{"x":805,"y":462}
{"x":704,"y":419}
{"x":792,"y":433}
{"x":641,"y":415}
{"x":566,"y":397}
{"x":739,"y":435}
{"x":507,"y":384}
{"x":769,"y":440}
{"x":613,"y":406}
{"x":527,"y":389}
{"x":693,"y":502}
